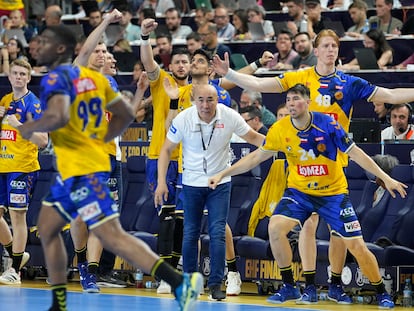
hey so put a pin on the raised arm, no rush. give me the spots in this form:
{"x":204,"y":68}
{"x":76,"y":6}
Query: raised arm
{"x":95,"y":37}
{"x":147,"y":56}
{"x":264,"y":85}
{"x":142,"y":85}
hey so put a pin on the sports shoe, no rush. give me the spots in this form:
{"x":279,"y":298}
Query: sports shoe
{"x":10,"y":277}
{"x":233,"y":283}
{"x":110,"y":281}
{"x":187,"y":293}
{"x":287,"y":292}
{"x":309,"y":296}
{"x":385,"y":301}
{"x":336,"y":293}
{"x":87,"y":280}
{"x":216,"y":293}
{"x":164,"y":288}
{"x":25,"y":259}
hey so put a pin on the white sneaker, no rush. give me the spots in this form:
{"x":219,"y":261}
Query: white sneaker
{"x":10,"y":277}
{"x":164,"y":288}
{"x":233,"y":284}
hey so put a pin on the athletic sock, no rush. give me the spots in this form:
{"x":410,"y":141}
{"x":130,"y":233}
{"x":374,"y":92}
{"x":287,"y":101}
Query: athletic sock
{"x":309,"y":277}
{"x":17,"y":260}
{"x":231,"y":265}
{"x":335,"y":278}
{"x":81,"y":255}
{"x":164,"y":271}
{"x":59,"y":298}
{"x":93,"y":268}
{"x":287,"y":275}
{"x":379,"y":286}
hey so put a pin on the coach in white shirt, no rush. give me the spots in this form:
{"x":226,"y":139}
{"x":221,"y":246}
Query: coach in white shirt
{"x":204,"y":130}
{"x":401,"y":123}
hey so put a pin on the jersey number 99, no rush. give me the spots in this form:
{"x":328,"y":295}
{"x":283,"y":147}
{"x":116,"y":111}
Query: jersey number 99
{"x":89,"y":111}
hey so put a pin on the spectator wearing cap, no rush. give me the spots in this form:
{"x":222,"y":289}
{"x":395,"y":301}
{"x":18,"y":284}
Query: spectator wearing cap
{"x":131,"y":32}
{"x":315,"y":19}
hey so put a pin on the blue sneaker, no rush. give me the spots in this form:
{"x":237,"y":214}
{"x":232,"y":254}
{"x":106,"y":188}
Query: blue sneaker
{"x":385,"y":301}
{"x":337,"y":294}
{"x":309,"y":296}
{"x":87,"y":280}
{"x":287,"y":292}
{"x":187,"y":293}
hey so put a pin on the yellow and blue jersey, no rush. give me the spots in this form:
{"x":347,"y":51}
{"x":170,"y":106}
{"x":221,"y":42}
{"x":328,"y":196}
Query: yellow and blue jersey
{"x":16,"y":153}
{"x":334,"y":94}
{"x":312,"y":154}
{"x":160,"y":112}
{"x":79,"y":145}
{"x":223,"y":96}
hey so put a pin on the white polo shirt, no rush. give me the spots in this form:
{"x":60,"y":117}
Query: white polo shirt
{"x":200,"y":163}
{"x":388,"y":133}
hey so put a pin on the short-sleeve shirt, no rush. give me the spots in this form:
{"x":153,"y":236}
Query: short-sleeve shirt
{"x":188,"y":129}
{"x":312,"y":154}
{"x":79,"y":145}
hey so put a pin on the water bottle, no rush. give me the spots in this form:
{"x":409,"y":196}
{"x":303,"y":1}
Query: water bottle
{"x":366,"y":27}
{"x":407,"y":294}
{"x":139,"y":279}
{"x":151,"y":284}
{"x":358,"y":299}
{"x":303,"y":25}
{"x":323,"y":296}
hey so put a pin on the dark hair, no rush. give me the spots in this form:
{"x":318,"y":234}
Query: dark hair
{"x":180,"y":51}
{"x":302,"y":33}
{"x":148,"y":13}
{"x":22,"y":51}
{"x":300,"y":89}
{"x":281,"y":106}
{"x":381,"y":44}
{"x":169,"y":10}
{"x":164,"y":35}
{"x":286,"y":31}
{"x":398,"y":106}
{"x":242,"y":15}
{"x":64,"y":35}
{"x":193,"y":35}
{"x":253,"y":112}
{"x":205,"y":53}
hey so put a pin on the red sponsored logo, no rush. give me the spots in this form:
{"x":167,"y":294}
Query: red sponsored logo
{"x":84,"y":85}
{"x":8,"y":135}
{"x":313,"y":170}
{"x":333,"y":115}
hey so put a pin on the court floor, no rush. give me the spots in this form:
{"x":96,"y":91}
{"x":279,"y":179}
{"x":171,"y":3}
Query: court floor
{"x":34,"y":295}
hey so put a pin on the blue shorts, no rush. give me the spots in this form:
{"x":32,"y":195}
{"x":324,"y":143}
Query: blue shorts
{"x":336,"y":210}
{"x":172,"y":177}
{"x":85,"y":196}
{"x":16,"y":189}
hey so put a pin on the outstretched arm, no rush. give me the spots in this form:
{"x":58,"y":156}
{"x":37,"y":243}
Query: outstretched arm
{"x":243,"y":165}
{"x":363,"y":160}
{"x":96,"y":36}
{"x":266,"y":85}
{"x":393,"y":96}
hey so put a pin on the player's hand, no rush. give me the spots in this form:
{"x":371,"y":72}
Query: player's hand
{"x":161,"y":194}
{"x":171,"y":88}
{"x":394,"y":185}
{"x":221,"y":67}
{"x":214,"y":181}
{"x":143,"y":81}
{"x":266,"y":58}
{"x":113,"y":17}
{"x":13,"y":121}
{"x":147,"y":26}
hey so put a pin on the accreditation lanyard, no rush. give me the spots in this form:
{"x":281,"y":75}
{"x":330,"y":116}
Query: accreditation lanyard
{"x":205,"y":148}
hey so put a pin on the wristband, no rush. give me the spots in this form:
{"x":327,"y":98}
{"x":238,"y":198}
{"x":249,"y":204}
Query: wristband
{"x":174,"y":104}
{"x":254,"y":66}
{"x":230,"y":74}
{"x":258,"y":64}
{"x":145,"y":37}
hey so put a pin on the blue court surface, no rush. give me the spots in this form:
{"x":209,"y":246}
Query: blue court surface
{"x":22,"y":299}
